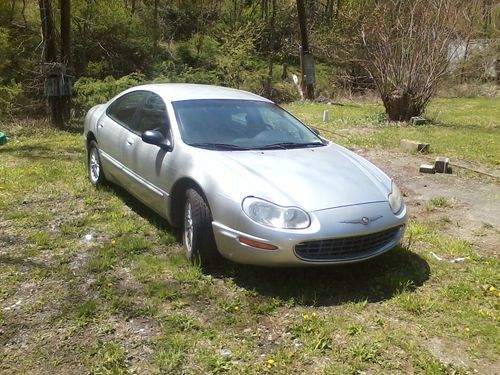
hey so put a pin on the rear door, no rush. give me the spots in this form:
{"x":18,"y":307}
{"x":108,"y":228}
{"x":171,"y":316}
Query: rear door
{"x":113,"y":129}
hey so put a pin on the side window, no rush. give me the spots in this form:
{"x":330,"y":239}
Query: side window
{"x":123,"y":109}
{"x":153,"y":116}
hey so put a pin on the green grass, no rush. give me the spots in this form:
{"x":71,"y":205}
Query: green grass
{"x":459,"y":128}
{"x":93,"y":282}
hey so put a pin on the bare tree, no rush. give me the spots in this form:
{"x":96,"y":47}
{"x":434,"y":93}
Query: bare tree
{"x":406,"y":50}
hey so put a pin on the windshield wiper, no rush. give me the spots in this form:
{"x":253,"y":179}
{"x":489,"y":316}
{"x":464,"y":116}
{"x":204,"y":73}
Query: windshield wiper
{"x":288,"y":145}
{"x":217,"y":146}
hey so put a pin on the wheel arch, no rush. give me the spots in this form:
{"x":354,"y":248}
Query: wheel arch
{"x":177,"y":197}
{"x":90,"y":137}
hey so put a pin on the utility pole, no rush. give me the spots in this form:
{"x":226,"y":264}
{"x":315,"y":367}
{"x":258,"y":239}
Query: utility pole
{"x":306,"y":57}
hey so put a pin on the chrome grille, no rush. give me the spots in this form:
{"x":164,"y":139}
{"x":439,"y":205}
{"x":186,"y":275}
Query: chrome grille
{"x":347,"y":247}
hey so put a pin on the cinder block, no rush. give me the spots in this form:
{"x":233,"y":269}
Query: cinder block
{"x":412,"y":146}
{"x":427,"y":168}
{"x":417,"y":120}
{"x":441,"y":164}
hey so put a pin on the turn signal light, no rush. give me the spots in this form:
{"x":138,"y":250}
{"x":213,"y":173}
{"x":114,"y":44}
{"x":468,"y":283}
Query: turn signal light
{"x":256,"y":244}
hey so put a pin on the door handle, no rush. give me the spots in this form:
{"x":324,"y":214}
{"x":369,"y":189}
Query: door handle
{"x":100,"y":125}
{"x":130,"y":141}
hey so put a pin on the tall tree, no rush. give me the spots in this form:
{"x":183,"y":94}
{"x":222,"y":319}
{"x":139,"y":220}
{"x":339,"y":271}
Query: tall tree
{"x":65,"y":99}
{"x":272,"y":30}
{"x":50,"y":58}
{"x":48,"y":31}
{"x":306,"y":57}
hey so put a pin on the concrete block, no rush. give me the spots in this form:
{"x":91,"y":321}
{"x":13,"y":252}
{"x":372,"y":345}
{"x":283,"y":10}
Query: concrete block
{"x":417,"y":120}
{"x":427,"y":168}
{"x":412,"y":146}
{"x":441,"y":164}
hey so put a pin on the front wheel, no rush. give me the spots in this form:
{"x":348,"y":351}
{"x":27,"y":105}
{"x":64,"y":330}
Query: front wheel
{"x":197,"y":236}
{"x":96,"y":175}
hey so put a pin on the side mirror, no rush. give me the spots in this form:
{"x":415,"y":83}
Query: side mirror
{"x":154,"y":137}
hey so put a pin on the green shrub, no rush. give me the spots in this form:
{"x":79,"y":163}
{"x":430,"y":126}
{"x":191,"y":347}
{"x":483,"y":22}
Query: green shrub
{"x":11,"y":97}
{"x":90,"y":91}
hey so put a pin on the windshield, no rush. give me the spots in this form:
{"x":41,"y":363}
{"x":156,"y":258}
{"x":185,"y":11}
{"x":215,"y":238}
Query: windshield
{"x":240,"y":125}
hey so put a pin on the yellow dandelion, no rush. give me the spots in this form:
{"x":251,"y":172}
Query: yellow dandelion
{"x":492,"y":289}
{"x":314,"y":315}
{"x":270,"y":362}
{"x":236,"y":308}
{"x":467,"y":329}
{"x":113,"y":242}
{"x":305,"y":316}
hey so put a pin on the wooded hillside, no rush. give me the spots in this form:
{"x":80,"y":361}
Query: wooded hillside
{"x":250,"y":44}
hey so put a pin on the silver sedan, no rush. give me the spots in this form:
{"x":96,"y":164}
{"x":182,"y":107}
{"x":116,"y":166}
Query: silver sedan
{"x":242,"y":178}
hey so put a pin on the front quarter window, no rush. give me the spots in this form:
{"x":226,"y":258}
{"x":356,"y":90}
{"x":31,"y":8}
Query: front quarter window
{"x":153,"y":116}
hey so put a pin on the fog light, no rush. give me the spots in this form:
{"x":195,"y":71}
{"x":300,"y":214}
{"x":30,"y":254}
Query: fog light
{"x":256,"y":244}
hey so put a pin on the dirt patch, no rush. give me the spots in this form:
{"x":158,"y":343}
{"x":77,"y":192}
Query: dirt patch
{"x":454,"y":355}
{"x":472,"y":211}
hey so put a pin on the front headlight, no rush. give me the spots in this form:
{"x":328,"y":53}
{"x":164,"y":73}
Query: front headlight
{"x":272,"y":215}
{"x":395,"y":199}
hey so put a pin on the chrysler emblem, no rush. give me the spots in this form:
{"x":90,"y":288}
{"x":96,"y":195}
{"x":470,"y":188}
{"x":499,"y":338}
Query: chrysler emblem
{"x":364,"y":220}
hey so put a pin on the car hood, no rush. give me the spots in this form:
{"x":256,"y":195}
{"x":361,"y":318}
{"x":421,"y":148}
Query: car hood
{"x":311,"y":178}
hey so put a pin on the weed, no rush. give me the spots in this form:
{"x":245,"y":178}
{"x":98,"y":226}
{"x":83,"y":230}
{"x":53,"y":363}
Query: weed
{"x":109,"y":358}
{"x":354,"y":330}
{"x":366,"y":351}
{"x":416,"y":303}
{"x":87,"y":311}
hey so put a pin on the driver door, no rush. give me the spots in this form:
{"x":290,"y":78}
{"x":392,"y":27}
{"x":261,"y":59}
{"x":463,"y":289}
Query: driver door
{"x":149,"y":164}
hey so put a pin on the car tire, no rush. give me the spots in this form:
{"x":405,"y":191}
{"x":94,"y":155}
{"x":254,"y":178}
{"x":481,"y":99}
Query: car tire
{"x":95,"y":171}
{"x":197,"y":233}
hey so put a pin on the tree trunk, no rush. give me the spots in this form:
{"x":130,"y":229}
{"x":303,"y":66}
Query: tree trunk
{"x":65,"y":101}
{"x":269,"y":81}
{"x":48,"y":31}
{"x":307,"y":85}
{"x":400,"y":106}
{"x":66,"y":32}
{"x":50,"y":56}
{"x":156,"y":28}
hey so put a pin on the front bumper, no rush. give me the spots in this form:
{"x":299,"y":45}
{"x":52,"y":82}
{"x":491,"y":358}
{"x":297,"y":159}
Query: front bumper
{"x":330,"y":224}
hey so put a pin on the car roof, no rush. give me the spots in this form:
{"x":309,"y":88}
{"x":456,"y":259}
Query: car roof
{"x":188,"y":91}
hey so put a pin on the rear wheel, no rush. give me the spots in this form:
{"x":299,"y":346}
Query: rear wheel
{"x":96,"y":175}
{"x":197,"y":235}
